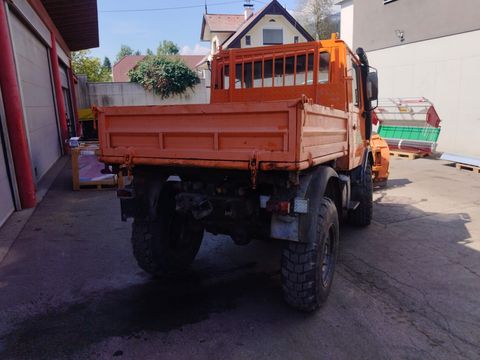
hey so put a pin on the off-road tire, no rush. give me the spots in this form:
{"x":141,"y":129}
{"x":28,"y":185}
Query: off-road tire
{"x":306,"y":282}
{"x":166,"y":246}
{"x":363,"y":192}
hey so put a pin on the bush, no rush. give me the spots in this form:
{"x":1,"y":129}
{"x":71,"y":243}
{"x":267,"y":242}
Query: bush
{"x":165,"y":76}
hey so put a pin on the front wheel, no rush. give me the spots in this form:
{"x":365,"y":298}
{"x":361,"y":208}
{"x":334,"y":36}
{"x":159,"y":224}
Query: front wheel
{"x":308,"y":268}
{"x":363,"y":193}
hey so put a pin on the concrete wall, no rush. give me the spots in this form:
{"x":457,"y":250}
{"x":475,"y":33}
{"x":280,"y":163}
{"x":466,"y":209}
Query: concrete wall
{"x":375,"y":23}
{"x":123,"y":94}
{"x":444,"y":70}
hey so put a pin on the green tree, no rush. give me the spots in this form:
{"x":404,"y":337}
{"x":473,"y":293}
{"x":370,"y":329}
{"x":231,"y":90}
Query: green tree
{"x":150,"y":52}
{"x":107,"y":64}
{"x":165,"y":76}
{"x":124,"y":51}
{"x":167,"y":47}
{"x":91,"y":66}
{"x":315,"y":16}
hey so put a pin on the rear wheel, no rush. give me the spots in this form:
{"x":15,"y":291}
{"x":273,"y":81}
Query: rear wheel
{"x":168,"y":245}
{"x":363,"y":193}
{"x":308,"y":268}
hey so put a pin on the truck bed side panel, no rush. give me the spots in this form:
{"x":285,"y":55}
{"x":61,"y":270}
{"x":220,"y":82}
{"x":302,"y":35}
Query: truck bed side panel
{"x":284,"y":135}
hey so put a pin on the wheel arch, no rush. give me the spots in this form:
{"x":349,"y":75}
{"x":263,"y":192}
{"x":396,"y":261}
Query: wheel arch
{"x":323,"y":181}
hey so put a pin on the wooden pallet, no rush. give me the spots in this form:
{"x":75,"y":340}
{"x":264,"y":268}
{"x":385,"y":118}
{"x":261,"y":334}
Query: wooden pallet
{"x":77,"y":183}
{"x":98,"y":185}
{"x":408,"y":155}
{"x":475,"y":169}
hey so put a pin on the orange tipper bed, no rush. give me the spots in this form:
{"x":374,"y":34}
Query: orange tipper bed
{"x":287,"y":135}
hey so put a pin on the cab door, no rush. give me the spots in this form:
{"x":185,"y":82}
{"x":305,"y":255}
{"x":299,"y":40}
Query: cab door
{"x":355,"y":109}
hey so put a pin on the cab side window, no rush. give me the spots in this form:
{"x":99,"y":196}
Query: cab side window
{"x":353,"y":71}
{"x":323,"y":67}
{"x":355,"y":82}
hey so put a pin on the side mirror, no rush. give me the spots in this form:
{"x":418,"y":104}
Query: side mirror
{"x":372,"y":86}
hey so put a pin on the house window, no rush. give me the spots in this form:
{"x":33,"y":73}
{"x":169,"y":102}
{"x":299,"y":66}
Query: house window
{"x":272,"y":36}
{"x":248,"y":40}
{"x":295,"y":39}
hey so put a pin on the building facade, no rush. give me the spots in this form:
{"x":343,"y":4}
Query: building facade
{"x":424,"y":48}
{"x":37,"y":103}
{"x":271,"y":25}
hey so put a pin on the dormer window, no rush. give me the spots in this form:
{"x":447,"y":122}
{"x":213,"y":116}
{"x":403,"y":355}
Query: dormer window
{"x":272,"y":36}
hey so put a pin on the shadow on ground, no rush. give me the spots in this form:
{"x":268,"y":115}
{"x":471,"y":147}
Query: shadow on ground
{"x":216,"y":286}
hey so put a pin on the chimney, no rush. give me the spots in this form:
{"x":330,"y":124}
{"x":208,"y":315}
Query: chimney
{"x":248,"y":9}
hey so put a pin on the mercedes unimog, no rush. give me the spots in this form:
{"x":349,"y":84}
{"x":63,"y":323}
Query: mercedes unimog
{"x":281,"y":152}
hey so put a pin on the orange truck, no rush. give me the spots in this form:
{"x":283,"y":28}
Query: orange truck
{"x":281,"y":152}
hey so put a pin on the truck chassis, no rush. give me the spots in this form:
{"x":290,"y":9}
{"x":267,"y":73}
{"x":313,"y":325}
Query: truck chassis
{"x":291,"y":170}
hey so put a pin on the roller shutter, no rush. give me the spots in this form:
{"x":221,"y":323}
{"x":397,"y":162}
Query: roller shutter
{"x":6,"y":198}
{"x":33,"y":68}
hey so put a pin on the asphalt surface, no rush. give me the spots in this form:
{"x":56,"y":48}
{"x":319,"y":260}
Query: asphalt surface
{"x":407,"y":287}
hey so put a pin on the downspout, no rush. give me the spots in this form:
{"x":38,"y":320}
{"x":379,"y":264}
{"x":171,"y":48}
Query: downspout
{"x":14,"y":115}
{"x":62,"y":119}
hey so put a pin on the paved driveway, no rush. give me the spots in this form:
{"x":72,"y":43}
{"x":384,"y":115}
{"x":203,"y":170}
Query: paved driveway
{"x":407,"y":287}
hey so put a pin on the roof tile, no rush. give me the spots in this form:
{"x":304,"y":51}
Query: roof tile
{"x":224,"y":22}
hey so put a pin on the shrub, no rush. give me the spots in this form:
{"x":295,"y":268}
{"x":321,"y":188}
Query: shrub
{"x":164,"y":75}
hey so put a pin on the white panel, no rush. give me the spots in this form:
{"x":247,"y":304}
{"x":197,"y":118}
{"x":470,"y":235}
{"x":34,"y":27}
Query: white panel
{"x":346,"y":23}
{"x":446,"y":71}
{"x":62,"y":56}
{"x":64,"y":77}
{"x":33,"y":69}
{"x":31,"y":16}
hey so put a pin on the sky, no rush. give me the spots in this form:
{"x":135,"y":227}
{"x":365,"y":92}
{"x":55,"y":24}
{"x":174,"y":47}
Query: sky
{"x":146,"y":27}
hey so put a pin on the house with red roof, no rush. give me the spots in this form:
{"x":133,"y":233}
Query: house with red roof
{"x":271,"y":25}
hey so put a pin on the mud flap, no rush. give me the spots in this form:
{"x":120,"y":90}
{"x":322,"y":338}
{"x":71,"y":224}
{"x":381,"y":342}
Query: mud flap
{"x":284,"y":227}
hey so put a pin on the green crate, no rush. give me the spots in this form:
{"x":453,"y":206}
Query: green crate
{"x":409,"y":133}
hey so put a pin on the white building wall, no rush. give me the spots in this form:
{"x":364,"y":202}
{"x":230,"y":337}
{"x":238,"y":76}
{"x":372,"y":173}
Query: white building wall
{"x":346,"y":22}
{"x":256,"y":33}
{"x":447,"y":72}
{"x":217,"y":40}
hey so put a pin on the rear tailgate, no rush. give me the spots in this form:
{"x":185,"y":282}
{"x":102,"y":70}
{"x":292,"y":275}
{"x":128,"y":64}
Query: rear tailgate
{"x":229,"y":135}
